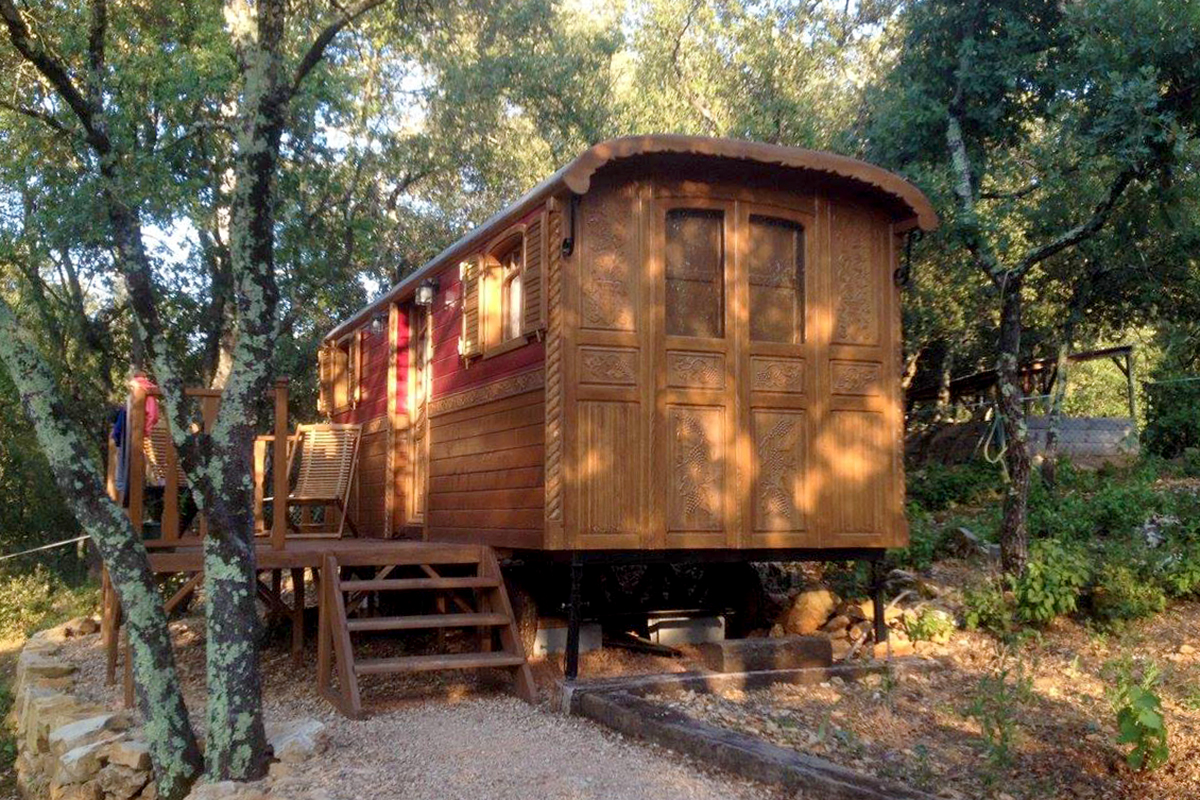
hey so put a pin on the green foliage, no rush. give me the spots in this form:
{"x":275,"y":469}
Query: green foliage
{"x":1121,"y":594}
{"x":1140,"y":720}
{"x":929,"y":624}
{"x":936,"y":487}
{"x":996,"y":705}
{"x":8,"y":742}
{"x":1172,"y":416}
{"x":1052,"y":582}
{"x":925,"y":539}
{"x":38,"y":599}
{"x":987,"y":608}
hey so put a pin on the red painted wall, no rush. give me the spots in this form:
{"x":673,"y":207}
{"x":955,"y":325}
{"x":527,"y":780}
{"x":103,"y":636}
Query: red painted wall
{"x":450,"y":374}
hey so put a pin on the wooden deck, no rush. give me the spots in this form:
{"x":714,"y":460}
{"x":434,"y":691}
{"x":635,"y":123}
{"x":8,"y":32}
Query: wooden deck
{"x":186,"y":555}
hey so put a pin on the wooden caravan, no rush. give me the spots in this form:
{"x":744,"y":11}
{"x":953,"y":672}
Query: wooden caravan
{"x":673,"y":343}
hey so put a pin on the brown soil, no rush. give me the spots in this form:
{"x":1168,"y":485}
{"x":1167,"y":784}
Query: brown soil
{"x":915,"y":727}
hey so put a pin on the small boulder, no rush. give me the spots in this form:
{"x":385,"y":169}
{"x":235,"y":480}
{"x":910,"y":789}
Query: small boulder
{"x":297,"y":741}
{"x":130,"y":753}
{"x":79,"y":765}
{"x":837,"y":624}
{"x":899,"y":648}
{"x":76,"y":791}
{"x":1186,"y":649}
{"x":227,"y":790}
{"x":120,"y":782}
{"x":809,"y":611}
{"x":85,"y":731}
{"x":82,"y":626}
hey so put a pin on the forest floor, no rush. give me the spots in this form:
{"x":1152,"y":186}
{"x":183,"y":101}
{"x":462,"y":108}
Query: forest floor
{"x":1051,"y":729}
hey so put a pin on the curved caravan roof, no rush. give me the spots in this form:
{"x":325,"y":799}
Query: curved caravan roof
{"x":576,"y":177}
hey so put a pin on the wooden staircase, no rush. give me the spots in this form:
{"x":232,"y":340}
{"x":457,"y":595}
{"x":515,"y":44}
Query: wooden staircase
{"x":479,"y":600}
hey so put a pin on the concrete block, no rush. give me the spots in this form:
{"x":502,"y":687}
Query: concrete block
{"x":753,"y":655}
{"x":552,"y":637}
{"x":674,"y":630}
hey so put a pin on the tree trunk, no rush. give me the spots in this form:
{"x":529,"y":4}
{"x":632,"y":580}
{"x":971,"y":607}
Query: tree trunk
{"x":237,"y":746}
{"x":173,"y":749}
{"x":1054,"y":418}
{"x":942,"y":411}
{"x":1014,"y":536}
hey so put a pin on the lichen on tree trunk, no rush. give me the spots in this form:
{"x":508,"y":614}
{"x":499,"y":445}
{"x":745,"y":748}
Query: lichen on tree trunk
{"x":1014,"y":537}
{"x":173,"y":748}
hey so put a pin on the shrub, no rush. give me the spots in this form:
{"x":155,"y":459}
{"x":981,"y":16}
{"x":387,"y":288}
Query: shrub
{"x":929,"y":625}
{"x":1120,"y":594}
{"x":925,"y":539}
{"x":1180,"y":571}
{"x":936,"y":487}
{"x":1054,"y":578}
{"x":996,"y":707}
{"x":1172,"y":418}
{"x":40,"y":598}
{"x":1140,"y":719}
{"x":987,"y":608}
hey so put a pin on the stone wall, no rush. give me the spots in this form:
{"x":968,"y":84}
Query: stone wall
{"x":69,"y":749}
{"x":72,"y":749}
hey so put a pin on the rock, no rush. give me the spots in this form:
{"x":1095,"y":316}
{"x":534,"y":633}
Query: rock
{"x":120,"y":782}
{"x":85,"y":731}
{"x":809,"y":611}
{"x":899,"y":648}
{"x":227,"y":790}
{"x":75,"y":791}
{"x":83,"y":626}
{"x":776,"y":631}
{"x":130,"y":753}
{"x":752,"y":655}
{"x":837,"y":624}
{"x":34,"y":664}
{"x":297,"y":741}
{"x":79,"y":765}
{"x":150,"y":792}
{"x":1187,"y":649}
{"x":840,"y":648}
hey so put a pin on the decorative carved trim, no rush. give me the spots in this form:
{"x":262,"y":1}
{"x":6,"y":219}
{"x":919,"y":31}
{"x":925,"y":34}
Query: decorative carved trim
{"x":777,"y":375}
{"x":608,"y":301}
{"x":608,"y":366}
{"x":379,"y":424}
{"x":554,"y":377}
{"x":696,"y":485}
{"x":855,"y":378}
{"x":489,"y":392}
{"x":696,"y":370}
{"x":856,"y":311}
{"x":779,"y":447}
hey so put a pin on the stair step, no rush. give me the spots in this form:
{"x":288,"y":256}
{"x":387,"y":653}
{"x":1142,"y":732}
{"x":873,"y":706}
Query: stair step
{"x":400,"y":584}
{"x":418,"y":622}
{"x":379,"y":666}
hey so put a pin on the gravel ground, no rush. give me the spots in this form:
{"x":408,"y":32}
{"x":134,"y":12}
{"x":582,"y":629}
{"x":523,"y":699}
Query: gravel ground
{"x":445,"y":736}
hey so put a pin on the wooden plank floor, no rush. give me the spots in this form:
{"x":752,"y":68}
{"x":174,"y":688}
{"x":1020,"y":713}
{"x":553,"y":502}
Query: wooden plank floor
{"x":188,"y":556}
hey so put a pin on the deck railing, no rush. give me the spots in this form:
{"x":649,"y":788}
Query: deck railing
{"x":154,"y":457}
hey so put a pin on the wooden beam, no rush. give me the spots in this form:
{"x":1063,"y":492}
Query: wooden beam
{"x":280,"y":471}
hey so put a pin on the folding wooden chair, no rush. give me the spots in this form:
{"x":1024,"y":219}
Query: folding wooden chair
{"x":328,"y":456}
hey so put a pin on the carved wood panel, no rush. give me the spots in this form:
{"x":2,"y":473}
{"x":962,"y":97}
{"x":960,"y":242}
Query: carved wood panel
{"x":697,"y":455}
{"x":857,"y":274}
{"x":856,"y":378}
{"x":769,"y":374}
{"x":695,"y":370}
{"x":608,"y":366}
{"x":610,"y":474}
{"x":609,"y":282}
{"x":780,"y":469}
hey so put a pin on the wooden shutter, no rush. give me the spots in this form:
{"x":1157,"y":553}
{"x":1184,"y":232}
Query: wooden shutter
{"x":325,"y":377}
{"x":533,"y":316}
{"x":354,"y":370}
{"x":470,"y":343}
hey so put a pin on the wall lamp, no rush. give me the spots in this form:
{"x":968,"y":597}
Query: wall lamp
{"x":378,"y":323}
{"x":426,"y":291}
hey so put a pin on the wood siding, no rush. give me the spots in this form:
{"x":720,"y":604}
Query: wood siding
{"x":486,"y":465}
